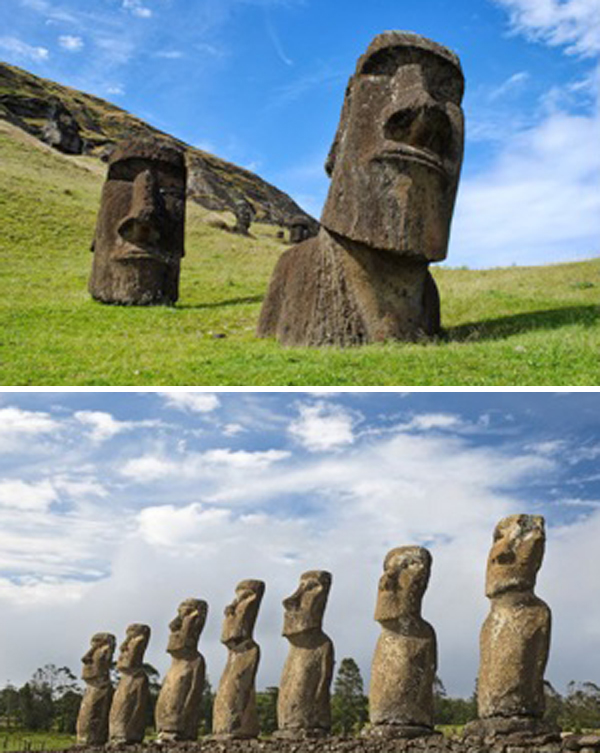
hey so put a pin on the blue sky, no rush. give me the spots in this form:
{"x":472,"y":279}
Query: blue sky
{"x":261,"y":82}
{"x":116,"y":506}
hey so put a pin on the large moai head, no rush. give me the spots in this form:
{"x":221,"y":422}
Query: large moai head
{"x":241,"y":614}
{"x":131,"y":651}
{"x":305,"y":608}
{"x":396,"y":158}
{"x":98,"y":659}
{"x":186,"y":628}
{"x":139,"y":238}
{"x":406,"y":571}
{"x":516,"y":554}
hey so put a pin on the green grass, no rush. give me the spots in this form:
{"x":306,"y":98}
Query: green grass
{"x":32,"y":741}
{"x":515,"y":326}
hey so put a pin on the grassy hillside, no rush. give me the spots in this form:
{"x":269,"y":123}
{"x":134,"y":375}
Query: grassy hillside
{"x":517,"y":326}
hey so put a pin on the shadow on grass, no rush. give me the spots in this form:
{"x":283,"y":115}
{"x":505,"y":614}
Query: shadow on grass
{"x":220,"y":304}
{"x":504,"y":326}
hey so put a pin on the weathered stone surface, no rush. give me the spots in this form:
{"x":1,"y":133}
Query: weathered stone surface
{"x":139,"y":240}
{"x":244,"y":214}
{"x":405,"y":660}
{"x":301,"y":228}
{"x":128,"y":713}
{"x":395,"y":164}
{"x":62,"y":130}
{"x":178,"y":705}
{"x":515,"y":638}
{"x":92,"y":721}
{"x":234,"y":711}
{"x":303,"y":706}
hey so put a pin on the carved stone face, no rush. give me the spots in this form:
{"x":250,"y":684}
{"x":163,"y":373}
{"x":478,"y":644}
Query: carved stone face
{"x":516,"y":554}
{"x":241,"y":614}
{"x":304,"y":609}
{"x":140,"y":229}
{"x":396,"y":158}
{"x":97,"y":660}
{"x":187,"y":627}
{"x":131,"y":651}
{"x":405,"y":577}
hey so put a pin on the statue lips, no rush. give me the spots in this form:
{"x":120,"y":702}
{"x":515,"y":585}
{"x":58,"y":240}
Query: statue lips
{"x":406,"y":153}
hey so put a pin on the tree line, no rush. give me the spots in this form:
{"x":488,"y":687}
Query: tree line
{"x":50,"y":701}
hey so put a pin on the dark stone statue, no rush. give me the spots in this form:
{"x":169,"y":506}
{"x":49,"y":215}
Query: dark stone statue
{"x":394,"y":165}
{"x":139,"y":237}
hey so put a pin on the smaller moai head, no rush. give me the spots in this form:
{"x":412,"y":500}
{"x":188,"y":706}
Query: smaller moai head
{"x":516,"y":554}
{"x":406,"y":572}
{"x":142,"y":209}
{"x":186,"y":628}
{"x":244,"y":214}
{"x":300,"y":229}
{"x":241,"y":614}
{"x":396,"y":158}
{"x":131,"y":651}
{"x":305,"y":608}
{"x":98,"y":659}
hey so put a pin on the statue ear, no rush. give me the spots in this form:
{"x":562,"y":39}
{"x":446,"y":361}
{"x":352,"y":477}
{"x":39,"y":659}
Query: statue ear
{"x":341,"y":131}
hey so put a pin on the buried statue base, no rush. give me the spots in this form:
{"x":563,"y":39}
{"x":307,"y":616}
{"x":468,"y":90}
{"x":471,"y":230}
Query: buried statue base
{"x":330,"y":290}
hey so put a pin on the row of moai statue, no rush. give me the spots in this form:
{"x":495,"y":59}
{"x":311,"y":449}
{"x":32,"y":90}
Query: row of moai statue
{"x":394,"y":166}
{"x":514,"y":646}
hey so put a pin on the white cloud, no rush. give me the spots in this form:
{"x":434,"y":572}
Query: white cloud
{"x":538,"y":203}
{"x":574,"y":24}
{"x":136,"y":8}
{"x":511,"y":84}
{"x":170,"y":526}
{"x":321,"y":427}
{"x":169,"y":54}
{"x":22,"y":495}
{"x":429,"y":421}
{"x":17,"y":426}
{"x":116,"y":89}
{"x":232,"y":430}
{"x":195,"y":465}
{"x":71,"y":43}
{"x":23,"y":50}
{"x":103,"y":426}
{"x":197,"y":402}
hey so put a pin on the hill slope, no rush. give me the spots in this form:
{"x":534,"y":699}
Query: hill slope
{"x":82,"y":124}
{"x":516,"y":326}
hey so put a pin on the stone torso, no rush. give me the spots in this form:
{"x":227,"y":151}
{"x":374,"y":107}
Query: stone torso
{"x":515,"y":641}
{"x":303,"y":701}
{"x":178,"y":705}
{"x":129,"y":708}
{"x":234,"y":710}
{"x":92,"y":722}
{"x":402,"y":677}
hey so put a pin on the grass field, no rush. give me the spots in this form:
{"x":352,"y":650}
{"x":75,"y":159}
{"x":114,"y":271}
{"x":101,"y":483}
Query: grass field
{"x":515,"y":326}
{"x":34,"y":741}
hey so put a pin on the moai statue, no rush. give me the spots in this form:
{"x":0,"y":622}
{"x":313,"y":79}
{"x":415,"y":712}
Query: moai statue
{"x":178,"y":705}
{"x":405,"y":660}
{"x":92,"y":722}
{"x":515,"y":637}
{"x":138,"y":245}
{"x":303,"y":706}
{"x":234,"y":711}
{"x":394,"y":165}
{"x":128,"y":713}
{"x":299,"y":228}
{"x":244,"y":214}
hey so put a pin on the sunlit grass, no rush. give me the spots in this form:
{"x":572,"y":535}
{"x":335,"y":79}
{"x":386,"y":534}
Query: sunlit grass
{"x":515,"y":326}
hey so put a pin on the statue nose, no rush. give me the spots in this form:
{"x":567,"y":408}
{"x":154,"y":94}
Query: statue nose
{"x":423,"y":124}
{"x":143,"y":223}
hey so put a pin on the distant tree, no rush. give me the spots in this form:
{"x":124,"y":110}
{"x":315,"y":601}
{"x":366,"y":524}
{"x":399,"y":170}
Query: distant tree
{"x":266,"y":706}
{"x":9,"y":706}
{"x":581,"y":707}
{"x":154,"y":687}
{"x":454,"y":711}
{"x":554,"y":703}
{"x":206,"y":709}
{"x":349,"y":709}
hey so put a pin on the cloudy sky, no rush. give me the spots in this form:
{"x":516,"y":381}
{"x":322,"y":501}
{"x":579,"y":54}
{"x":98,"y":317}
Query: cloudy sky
{"x":260,"y":82}
{"x":116,"y":506}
